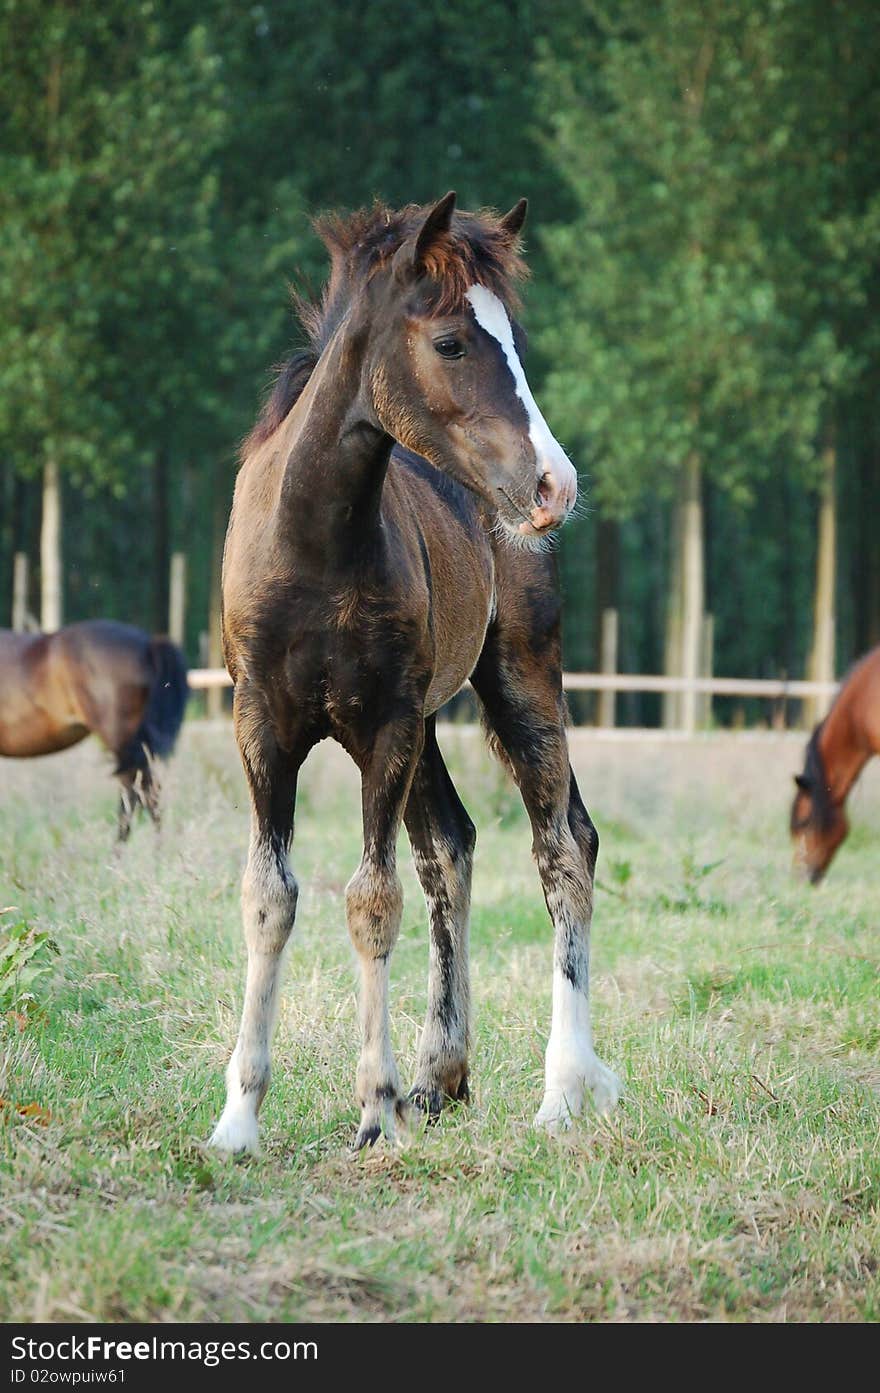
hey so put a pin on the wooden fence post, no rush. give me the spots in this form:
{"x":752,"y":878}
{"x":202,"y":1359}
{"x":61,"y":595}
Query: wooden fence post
{"x":608,"y":663}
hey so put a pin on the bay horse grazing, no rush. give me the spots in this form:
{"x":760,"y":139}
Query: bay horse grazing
{"x":97,"y":677}
{"x":364,"y":581}
{"x":837,"y":752}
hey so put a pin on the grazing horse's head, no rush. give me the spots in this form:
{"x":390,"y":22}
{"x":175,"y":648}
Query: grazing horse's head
{"x":818,"y":824}
{"x":428,"y":293}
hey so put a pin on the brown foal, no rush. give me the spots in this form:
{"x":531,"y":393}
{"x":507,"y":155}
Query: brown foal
{"x":364,"y":582}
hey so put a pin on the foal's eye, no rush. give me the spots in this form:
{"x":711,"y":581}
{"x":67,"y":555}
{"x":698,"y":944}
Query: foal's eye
{"x":449,"y":347}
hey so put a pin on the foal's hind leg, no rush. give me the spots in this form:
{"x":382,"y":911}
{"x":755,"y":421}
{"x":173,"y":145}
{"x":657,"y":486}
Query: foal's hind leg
{"x":374,"y":906}
{"x":268,"y":901}
{"x":442,"y":837}
{"x":523,"y":706}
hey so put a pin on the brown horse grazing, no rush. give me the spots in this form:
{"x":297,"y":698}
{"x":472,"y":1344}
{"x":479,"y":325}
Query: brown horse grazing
{"x":95,"y":677}
{"x":364,"y":581}
{"x":836,"y":754}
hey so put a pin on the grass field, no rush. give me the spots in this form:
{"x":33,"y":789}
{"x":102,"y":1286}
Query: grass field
{"x":738,"y":1180}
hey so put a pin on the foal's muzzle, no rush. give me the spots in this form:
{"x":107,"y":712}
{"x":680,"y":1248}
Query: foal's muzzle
{"x":555,"y":497}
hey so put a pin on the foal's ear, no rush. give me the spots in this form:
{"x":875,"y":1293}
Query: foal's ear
{"x":409,"y":259}
{"x":512,"y":222}
{"x":803,"y":783}
{"x":438,"y":221}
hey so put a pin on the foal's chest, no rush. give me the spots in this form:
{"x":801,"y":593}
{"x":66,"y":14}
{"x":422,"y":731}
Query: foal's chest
{"x":377,"y":666}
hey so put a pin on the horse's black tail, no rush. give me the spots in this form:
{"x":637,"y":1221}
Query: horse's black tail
{"x":169,"y":691}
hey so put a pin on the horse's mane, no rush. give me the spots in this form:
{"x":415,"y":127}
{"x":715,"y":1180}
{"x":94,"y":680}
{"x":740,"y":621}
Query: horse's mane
{"x":476,"y":250}
{"x":815,"y":782}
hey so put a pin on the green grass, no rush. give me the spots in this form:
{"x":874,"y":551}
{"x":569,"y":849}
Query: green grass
{"x":738,"y":1180}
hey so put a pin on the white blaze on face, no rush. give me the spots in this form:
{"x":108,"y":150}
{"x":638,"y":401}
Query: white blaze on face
{"x":550,"y":457}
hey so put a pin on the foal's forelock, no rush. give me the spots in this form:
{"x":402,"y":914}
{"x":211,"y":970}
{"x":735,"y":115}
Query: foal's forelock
{"x":477,"y":247}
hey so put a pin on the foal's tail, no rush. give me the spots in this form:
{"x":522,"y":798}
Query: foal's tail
{"x":166,"y":703}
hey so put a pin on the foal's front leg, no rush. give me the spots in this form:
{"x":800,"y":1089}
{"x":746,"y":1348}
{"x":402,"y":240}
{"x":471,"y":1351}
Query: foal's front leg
{"x":268,"y":903}
{"x":374,"y":906}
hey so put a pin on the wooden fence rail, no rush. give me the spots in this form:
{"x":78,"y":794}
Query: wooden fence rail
{"x":714,"y":686}
{"x":204,"y":678}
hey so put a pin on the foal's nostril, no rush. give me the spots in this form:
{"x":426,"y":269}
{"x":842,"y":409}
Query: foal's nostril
{"x":547,"y":493}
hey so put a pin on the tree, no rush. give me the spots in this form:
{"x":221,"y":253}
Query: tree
{"x":105,"y":196}
{"x":678,"y":353}
{"x":824,"y":209}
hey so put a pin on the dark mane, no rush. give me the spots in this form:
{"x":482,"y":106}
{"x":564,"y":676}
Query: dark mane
{"x":477,"y":250}
{"x":292,"y":378}
{"x":815,"y":782}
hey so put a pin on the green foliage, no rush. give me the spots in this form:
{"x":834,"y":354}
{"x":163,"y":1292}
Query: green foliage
{"x":621,"y":873}
{"x":690,"y":897}
{"x":713,"y":295}
{"x":25,"y":957}
{"x":695,"y":282}
{"x":106,"y":193}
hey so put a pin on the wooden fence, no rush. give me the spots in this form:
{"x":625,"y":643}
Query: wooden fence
{"x":773,"y":689}
{"x":203,"y":678}
{"x":607,"y":683}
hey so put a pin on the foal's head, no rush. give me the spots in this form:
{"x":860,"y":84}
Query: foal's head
{"x":818,"y":824}
{"x":431,"y":293}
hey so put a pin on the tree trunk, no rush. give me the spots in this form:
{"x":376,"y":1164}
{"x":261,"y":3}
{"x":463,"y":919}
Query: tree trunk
{"x":684,"y":618}
{"x":867,"y":552}
{"x":606,"y":590}
{"x":707,"y":669}
{"x":789,"y":589}
{"x":672,"y":643}
{"x":7,"y":526}
{"x":822,"y":654}
{"x":177,"y":600}
{"x":692,"y":584}
{"x":51,"y":617}
{"x":20,"y":592}
{"x":608,"y":665}
{"x":215,"y":638}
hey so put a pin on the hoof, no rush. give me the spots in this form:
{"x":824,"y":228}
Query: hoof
{"x":562,"y":1103}
{"x":431,"y":1098}
{"x":605,"y":1087}
{"x":236,"y":1136}
{"x":554,"y":1114}
{"x":381,"y":1118}
{"x":367,"y":1136}
{"x":428,"y":1101}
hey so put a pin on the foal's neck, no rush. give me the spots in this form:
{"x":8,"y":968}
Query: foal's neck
{"x":337,"y":460}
